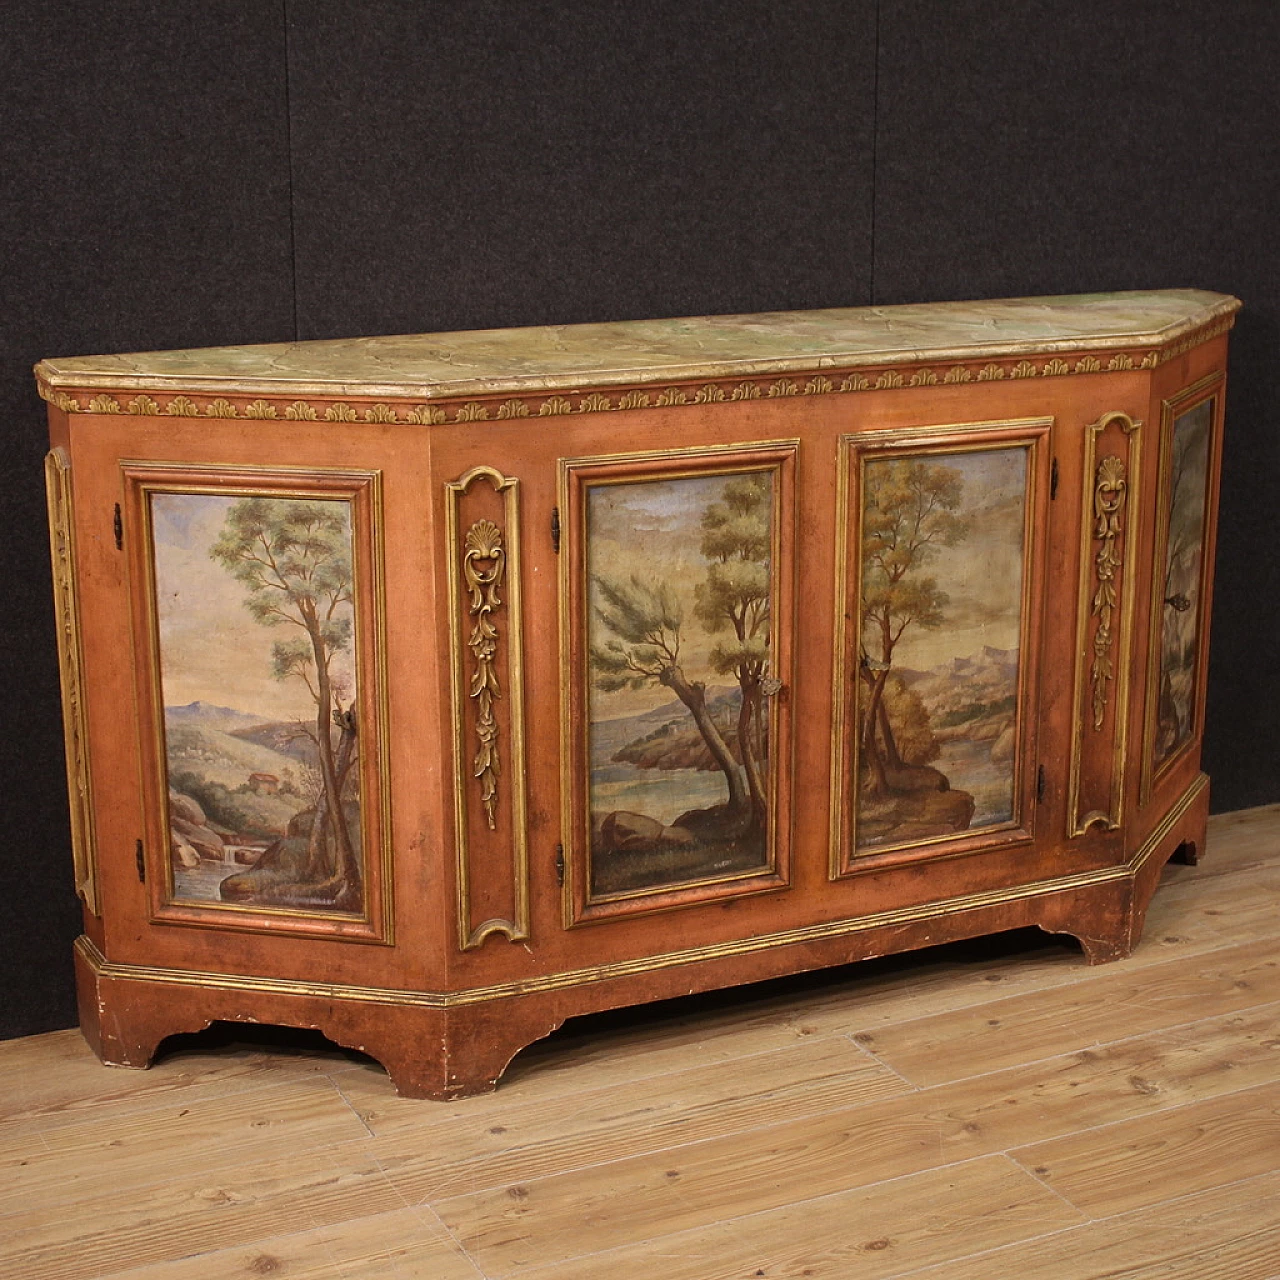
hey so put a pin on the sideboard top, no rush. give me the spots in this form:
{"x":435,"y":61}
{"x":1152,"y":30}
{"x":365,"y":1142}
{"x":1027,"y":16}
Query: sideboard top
{"x":620,"y":353}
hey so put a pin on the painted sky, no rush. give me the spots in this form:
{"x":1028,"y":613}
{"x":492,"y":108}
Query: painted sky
{"x":652,"y":529}
{"x":211,"y":648}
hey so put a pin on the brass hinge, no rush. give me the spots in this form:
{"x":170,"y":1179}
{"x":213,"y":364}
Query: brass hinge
{"x":555,"y":529}
{"x":1053,"y":480}
{"x":118,"y":525}
{"x":142,"y":863}
{"x":560,"y":865}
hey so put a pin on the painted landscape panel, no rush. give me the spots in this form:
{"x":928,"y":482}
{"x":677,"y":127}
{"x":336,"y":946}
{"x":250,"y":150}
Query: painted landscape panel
{"x":679,"y":606}
{"x":1180,"y":614}
{"x":940,"y":632}
{"x":255,"y":614}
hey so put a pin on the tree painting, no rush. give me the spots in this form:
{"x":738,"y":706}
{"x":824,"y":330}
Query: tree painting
{"x":1188,"y":488}
{"x":939,"y":611}
{"x":679,"y":598}
{"x":264,"y":762}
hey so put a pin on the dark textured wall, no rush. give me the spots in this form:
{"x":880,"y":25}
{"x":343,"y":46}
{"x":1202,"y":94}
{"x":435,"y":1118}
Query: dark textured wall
{"x":182,"y":174}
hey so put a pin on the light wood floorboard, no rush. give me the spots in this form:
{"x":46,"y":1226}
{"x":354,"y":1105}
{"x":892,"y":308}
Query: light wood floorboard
{"x":972,"y":1112}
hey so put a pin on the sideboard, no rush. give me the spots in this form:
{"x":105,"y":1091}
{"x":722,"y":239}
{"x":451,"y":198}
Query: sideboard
{"x":430,"y":690}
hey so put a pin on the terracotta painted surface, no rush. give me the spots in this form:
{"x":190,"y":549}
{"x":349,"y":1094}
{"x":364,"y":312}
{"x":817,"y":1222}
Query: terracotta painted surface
{"x":647,"y":351}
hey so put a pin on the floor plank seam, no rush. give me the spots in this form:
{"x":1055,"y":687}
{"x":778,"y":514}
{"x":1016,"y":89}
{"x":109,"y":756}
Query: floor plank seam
{"x":434,"y":1219}
{"x":1085,"y":1216}
{"x":738,"y":1219}
{"x":1087,"y":977}
{"x":852,"y":1037}
{"x":482,"y":1185}
{"x":1180,"y":1028}
{"x":175,"y":1097}
{"x":1090,"y":1221}
{"x":342,"y":1093}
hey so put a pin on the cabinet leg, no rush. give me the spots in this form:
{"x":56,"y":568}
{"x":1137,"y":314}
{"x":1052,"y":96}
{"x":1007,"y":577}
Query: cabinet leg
{"x":427,"y":1052}
{"x":1105,"y":950}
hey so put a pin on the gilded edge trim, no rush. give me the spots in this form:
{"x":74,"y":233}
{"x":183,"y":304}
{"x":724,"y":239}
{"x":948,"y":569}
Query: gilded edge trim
{"x":1172,"y":407}
{"x":75,"y":720}
{"x":671,"y":960}
{"x":460,"y":555}
{"x":694,"y":390}
{"x":1110,"y":817}
{"x":1031,"y":433}
{"x":573,"y":736}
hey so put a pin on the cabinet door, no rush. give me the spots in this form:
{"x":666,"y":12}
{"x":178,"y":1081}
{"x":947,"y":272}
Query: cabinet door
{"x":257,"y":618}
{"x":676,"y":610}
{"x":940,"y":586}
{"x":1190,"y":436}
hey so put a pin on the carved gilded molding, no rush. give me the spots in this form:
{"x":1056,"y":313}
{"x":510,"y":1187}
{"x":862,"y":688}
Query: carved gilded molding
{"x":542,"y":405}
{"x":481,"y":564}
{"x":483,"y":560}
{"x":75,"y":728}
{"x":1109,"y":493}
{"x":1106,"y":602}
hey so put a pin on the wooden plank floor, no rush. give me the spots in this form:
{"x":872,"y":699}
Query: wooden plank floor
{"x":970,"y":1112}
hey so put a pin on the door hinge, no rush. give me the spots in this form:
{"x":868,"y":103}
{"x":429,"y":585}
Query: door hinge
{"x":118,"y":525}
{"x":142,"y":863}
{"x":560,"y":865}
{"x":1040,"y":785}
{"x":1053,"y":480}
{"x":555,"y":529}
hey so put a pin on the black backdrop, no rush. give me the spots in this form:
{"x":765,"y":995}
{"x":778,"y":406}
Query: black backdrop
{"x":196,"y":172}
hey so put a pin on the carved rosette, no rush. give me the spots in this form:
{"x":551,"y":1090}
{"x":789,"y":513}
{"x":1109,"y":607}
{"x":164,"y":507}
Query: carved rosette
{"x":483,"y":564}
{"x":1109,"y":494}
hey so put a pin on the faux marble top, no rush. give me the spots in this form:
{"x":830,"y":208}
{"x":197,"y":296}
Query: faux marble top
{"x":556,"y":357}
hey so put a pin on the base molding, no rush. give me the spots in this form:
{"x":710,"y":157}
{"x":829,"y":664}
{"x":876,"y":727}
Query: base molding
{"x":453,"y":1044}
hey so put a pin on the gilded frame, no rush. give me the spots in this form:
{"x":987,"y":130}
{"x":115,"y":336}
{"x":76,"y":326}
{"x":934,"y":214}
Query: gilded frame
{"x":362,"y":491}
{"x":576,"y":476}
{"x":1078,"y":823}
{"x":511,"y":648}
{"x":60,"y":494}
{"x":942,"y":440}
{"x":1209,"y":388}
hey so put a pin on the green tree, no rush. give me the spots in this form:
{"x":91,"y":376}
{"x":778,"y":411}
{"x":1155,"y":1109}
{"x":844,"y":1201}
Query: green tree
{"x":908,"y":512}
{"x":733,"y":603}
{"x":644,"y":621}
{"x":294,"y":560}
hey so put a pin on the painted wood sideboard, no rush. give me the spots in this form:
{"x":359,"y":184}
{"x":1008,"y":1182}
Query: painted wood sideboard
{"x":431,"y":690}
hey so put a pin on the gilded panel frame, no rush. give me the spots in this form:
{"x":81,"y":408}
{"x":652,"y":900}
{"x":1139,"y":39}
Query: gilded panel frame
{"x":59,"y":492}
{"x":576,"y":476}
{"x":484,"y":543}
{"x":1124,"y":523}
{"x":1209,"y":388}
{"x":941,"y":440}
{"x":361,"y":490}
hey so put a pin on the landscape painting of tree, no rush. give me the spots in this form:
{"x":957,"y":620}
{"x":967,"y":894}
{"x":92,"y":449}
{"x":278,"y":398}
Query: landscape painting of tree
{"x":936,"y":682}
{"x":679,"y":604}
{"x":1180,"y":611}
{"x":255,"y":615}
